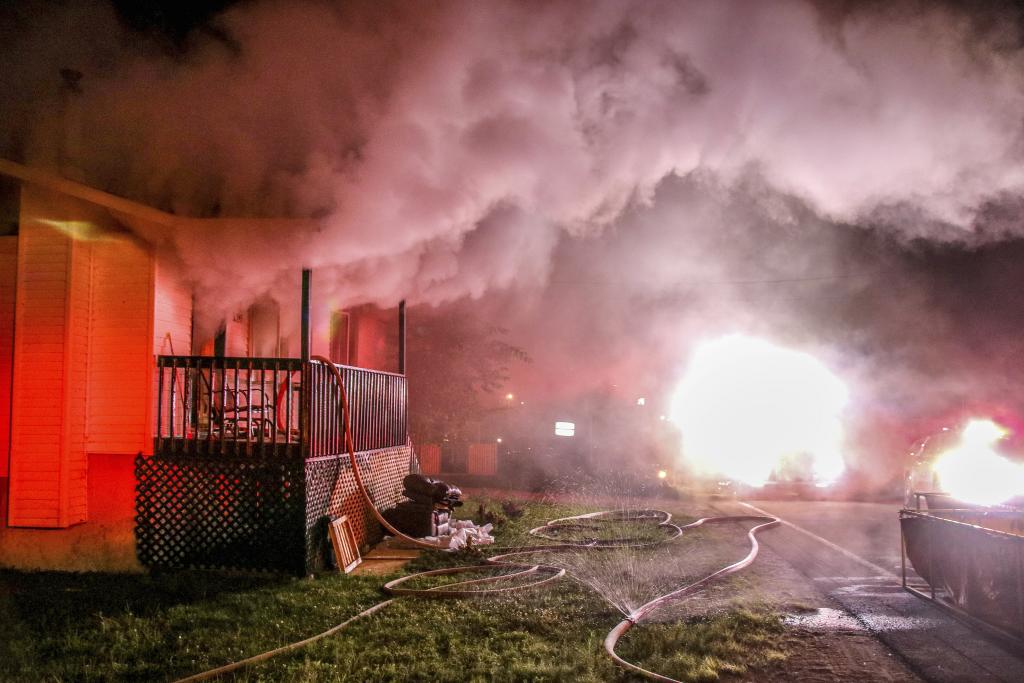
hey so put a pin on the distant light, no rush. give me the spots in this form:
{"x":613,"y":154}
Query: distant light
{"x":661,"y":417}
{"x":641,"y":401}
{"x":510,"y":396}
{"x":565,"y":429}
{"x":522,"y":403}
{"x":662,"y":474}
{"x":499,"y":439}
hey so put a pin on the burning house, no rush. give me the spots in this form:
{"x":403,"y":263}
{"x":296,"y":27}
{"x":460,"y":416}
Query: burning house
{"x":128,"y":440}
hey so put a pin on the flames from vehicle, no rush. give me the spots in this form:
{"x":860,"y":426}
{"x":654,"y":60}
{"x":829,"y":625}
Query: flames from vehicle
{"x":746,"y":406}
{"x":974,"y":472}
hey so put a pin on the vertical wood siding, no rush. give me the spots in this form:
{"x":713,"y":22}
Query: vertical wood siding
{"x":120,"y":349}
{"x":8,"y":275}
{"x":48,"y":464}
{"x":75,"y":488}
{"x":37,"y":421}
{"x":430,"y":458}
{"x":483,"y":458}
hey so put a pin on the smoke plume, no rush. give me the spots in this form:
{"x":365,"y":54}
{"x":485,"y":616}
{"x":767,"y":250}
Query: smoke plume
{"x":613,"y":179}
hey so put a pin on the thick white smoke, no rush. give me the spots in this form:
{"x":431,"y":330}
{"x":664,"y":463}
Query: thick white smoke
{"x":450,"y":145}
{"x":614,"y":180}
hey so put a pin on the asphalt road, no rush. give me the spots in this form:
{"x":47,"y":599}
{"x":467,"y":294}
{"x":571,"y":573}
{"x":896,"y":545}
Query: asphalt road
{"x":851,"y":551}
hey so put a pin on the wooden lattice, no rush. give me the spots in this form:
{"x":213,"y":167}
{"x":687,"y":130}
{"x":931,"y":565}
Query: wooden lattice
{"x":250,"y":514}
{"x":331,"y":492}
{"x":195,"y":512}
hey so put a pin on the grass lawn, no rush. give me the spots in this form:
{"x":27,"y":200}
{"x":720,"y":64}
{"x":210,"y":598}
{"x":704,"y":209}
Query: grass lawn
{"x":63,"y":627}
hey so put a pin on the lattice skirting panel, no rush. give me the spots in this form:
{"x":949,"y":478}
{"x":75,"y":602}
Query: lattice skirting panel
{"x":252,"y":514}
{"x":202,"y":512}
{"x":331,"y":491}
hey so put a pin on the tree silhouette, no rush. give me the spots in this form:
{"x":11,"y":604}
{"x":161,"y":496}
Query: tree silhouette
{"x":457,"y":364}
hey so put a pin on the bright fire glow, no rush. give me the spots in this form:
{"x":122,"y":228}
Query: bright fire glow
{"x":974,"y":472}
{"x":662,"y":474}
{"x":746,"y":405}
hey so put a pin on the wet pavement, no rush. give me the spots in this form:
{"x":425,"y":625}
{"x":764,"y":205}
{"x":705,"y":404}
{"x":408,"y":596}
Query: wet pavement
{"x":850,"y":552}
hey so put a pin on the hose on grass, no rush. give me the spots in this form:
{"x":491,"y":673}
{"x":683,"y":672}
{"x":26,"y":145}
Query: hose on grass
{"x":612,"y":639}
{"x":264,"y":656}
{"x":538,"y":574}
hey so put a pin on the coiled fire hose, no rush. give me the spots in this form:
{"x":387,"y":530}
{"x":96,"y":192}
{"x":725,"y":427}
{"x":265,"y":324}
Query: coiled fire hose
{"x":539,"y":573}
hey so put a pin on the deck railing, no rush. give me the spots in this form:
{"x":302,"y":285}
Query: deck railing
{"x":272,"y":406}
{"x":377,"y":409}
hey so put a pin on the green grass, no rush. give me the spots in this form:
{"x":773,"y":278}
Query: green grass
{"x":71,"y":627}
{"x":703,"y":649}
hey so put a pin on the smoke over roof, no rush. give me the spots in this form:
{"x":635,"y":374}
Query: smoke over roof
{"x":635,"y":174}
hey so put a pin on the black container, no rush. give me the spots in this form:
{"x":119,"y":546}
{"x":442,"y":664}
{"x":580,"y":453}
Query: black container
{"x":412,"y":518}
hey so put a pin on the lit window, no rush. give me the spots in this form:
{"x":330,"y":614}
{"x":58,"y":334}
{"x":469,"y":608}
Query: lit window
{"x":565,"y":429}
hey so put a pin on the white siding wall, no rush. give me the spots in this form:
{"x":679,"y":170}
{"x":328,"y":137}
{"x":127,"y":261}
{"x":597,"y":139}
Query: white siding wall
{"x":47,"y":472}
{"x":172,"y":330}
{"x":74,"y":490}
{"x":120,"y":352}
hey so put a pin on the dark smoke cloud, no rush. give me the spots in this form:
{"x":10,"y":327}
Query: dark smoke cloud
{"x":617,"y":179}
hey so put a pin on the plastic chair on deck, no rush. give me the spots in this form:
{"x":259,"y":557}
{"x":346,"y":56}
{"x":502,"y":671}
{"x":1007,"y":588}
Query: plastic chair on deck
{"x":248,"y":413}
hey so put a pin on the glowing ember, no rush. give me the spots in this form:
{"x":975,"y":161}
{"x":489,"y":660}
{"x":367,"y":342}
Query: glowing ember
{"x":974,"y":472}
{"x":746,"y":406}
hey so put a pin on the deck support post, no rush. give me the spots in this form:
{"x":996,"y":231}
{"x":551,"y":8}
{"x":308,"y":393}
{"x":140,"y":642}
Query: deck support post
{"x":401,"y":337}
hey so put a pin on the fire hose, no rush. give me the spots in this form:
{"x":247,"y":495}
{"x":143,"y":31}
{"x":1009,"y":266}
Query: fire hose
{"x":538,"y":574}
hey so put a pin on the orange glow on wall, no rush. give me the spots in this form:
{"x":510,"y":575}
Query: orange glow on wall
{"x":49,"y":469}
{"x":8,"y":274}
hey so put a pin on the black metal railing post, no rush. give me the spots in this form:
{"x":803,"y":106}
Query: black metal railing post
{"x":307,"y":283}
{"x":401,"y":337}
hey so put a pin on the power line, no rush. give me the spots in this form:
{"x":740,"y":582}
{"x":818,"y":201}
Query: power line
{"x":702,"y":283}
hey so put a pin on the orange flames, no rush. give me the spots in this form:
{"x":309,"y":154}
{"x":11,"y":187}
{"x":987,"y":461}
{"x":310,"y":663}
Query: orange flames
{"x":746,"y":406}
{"x":974,"y":472}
